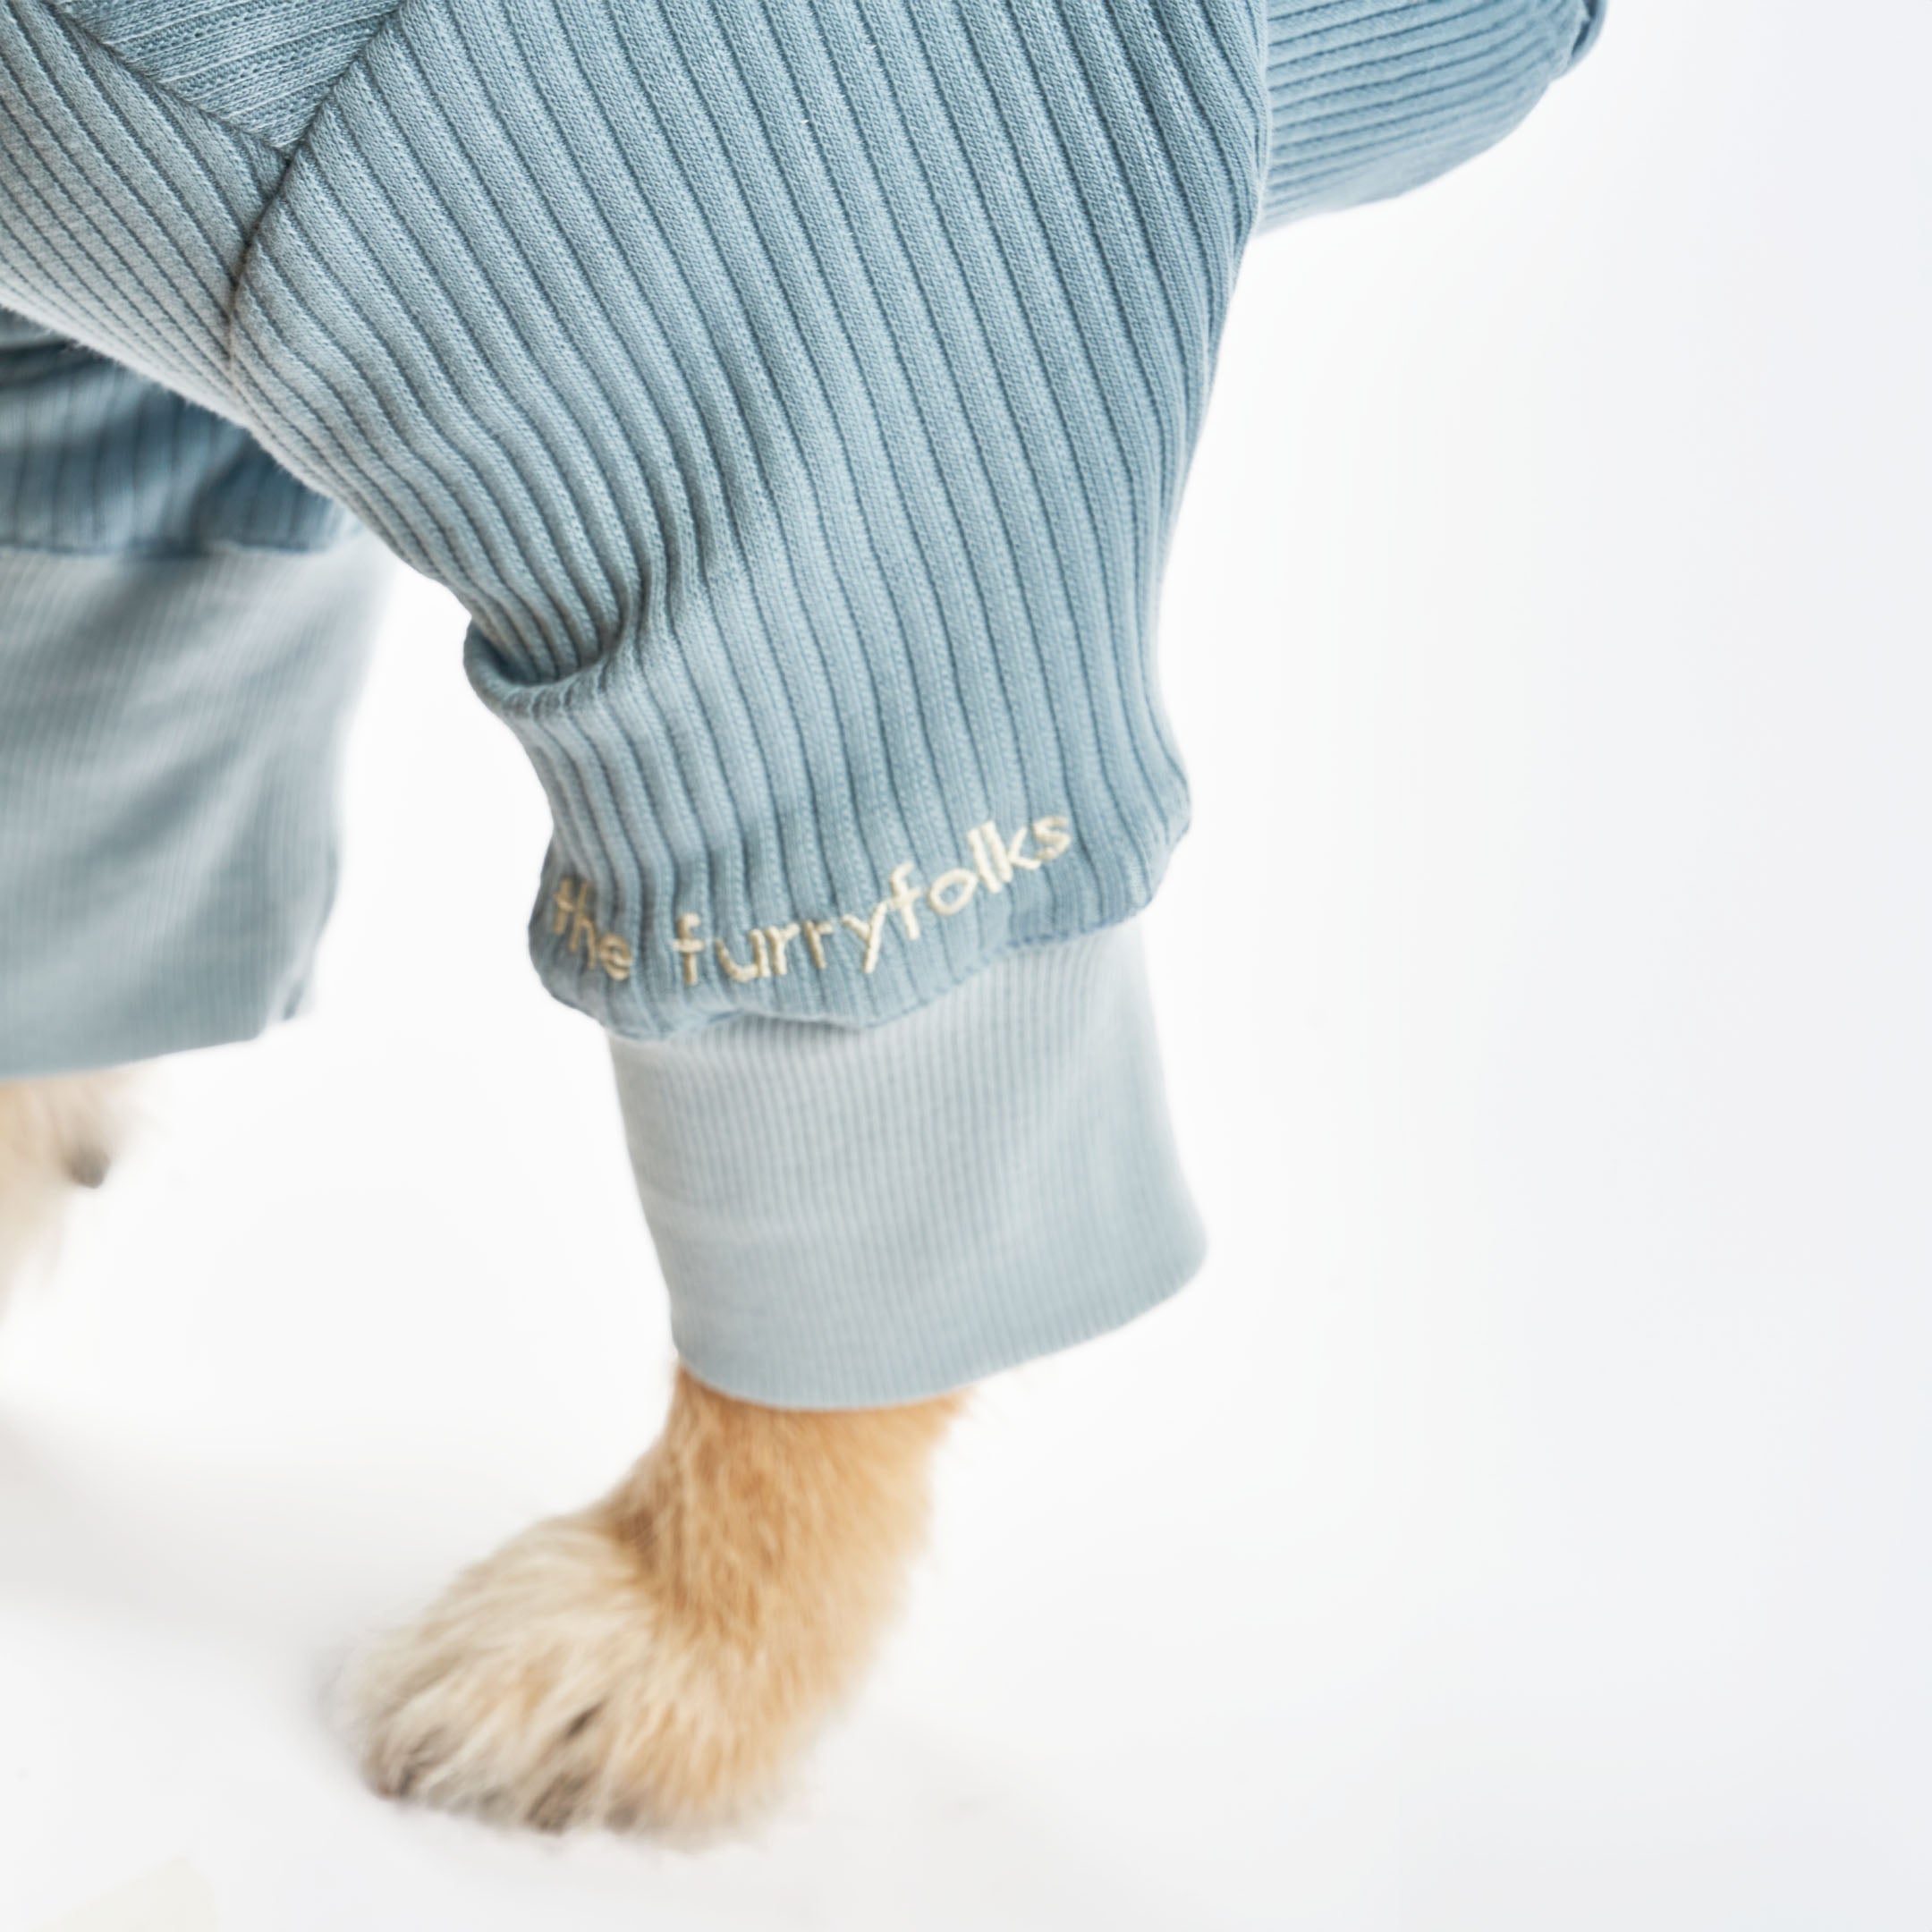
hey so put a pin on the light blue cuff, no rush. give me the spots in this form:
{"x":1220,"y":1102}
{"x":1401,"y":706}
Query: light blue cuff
{"x":169,"y":733}
{"x":849,"y":1217}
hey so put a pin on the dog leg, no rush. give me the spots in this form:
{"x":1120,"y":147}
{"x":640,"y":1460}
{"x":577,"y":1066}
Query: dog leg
{"x":660,"y":1657}
{"x":56,"y":1134}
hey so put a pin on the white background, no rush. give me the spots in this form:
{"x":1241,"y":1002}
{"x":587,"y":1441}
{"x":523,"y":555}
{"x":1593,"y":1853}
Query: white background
{"x":1526,"y":1522}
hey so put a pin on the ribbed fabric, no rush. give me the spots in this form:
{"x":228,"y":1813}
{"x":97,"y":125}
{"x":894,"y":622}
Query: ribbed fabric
{"x":1368,"y":99}
{"x":167,"y":796}
{"x":264,"y":65}
{"x":125,"y":209}
{"x":183,"y":626}
{"x":95,"y":459}
{"x":798,"y":395}
{"x":846,"y":1218}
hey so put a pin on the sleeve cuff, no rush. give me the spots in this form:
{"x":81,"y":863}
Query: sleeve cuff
{"x":847,"y":1218}
{"x":169,"y":733}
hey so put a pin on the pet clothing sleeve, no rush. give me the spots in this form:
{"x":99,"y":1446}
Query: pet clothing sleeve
{"x":182,"y":627}
{"x":799,"y":397}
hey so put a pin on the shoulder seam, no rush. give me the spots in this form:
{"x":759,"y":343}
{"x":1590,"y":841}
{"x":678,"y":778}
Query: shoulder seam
{"x":156,"y":85}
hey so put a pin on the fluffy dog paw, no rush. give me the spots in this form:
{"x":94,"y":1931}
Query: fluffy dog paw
{"x":549,"y":1687}
{"x":661,"y":1658}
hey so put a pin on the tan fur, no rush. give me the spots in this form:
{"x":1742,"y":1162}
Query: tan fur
{"x":660,"y":1657}
{"x":55,"y":1135}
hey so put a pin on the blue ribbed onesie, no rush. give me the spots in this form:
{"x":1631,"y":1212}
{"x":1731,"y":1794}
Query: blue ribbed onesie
{"x":797,"y":395}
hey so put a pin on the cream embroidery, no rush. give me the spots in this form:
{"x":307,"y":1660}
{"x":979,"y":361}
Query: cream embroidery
{"x":760,"y":960}
{"x":961,"y":883}
{"x":687,"y":943}
{"x":869,"y":932}
{"x":777,"y":935}
{"x":815,"y":932}
{"x":997,"y":860}
{"x":575,"y":907}
{"x":904,"y":900}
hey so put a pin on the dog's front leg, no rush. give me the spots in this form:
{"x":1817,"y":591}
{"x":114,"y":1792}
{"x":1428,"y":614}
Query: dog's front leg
{"x":56,"y":1134}
{"x":660,"y":1657}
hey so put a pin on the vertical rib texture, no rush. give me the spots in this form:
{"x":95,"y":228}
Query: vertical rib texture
{"x":798,"y":393}
{"x":848,"y":358}
{"x":95,"y":459}
{"x":1001,"y":1183}
{"x":125,"y":210}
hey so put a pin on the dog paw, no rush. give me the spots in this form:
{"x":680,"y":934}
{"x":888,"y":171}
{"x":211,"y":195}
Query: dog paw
{"x":548,"y":1687}
{"x":660,"y":1659}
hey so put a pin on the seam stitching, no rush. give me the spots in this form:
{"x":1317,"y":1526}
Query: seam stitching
{"x":156,"y":84}
{"x":245,"y":261}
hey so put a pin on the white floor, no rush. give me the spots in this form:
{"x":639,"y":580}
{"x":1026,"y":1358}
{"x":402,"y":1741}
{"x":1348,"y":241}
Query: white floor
{"x":1524,"y":1522}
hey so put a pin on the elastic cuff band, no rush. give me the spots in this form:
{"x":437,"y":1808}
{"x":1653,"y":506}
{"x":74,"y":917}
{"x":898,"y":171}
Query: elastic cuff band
{"x":850,"y":1218}
{"x":169,"y":736}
